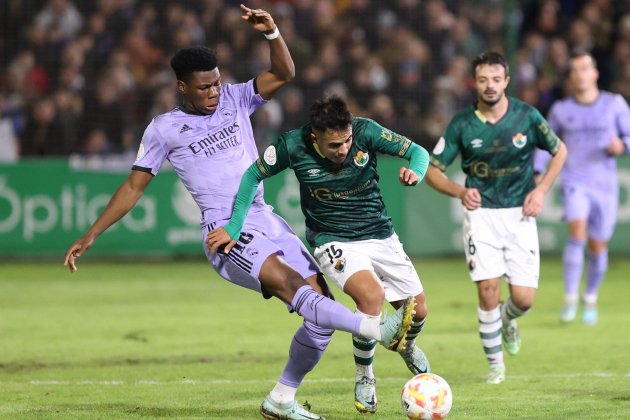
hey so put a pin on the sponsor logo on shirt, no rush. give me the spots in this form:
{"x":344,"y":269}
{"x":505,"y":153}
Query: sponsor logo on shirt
{"x":476,"y":143}
{"x":184,"y":128}
{"x":313,"y":172}
{"x":361,"y":158}
{"x":218,"y":141}
{"x":519,"y":140}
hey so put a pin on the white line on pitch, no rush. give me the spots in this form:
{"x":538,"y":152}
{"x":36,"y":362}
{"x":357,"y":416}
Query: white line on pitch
{"x":259,"y":381}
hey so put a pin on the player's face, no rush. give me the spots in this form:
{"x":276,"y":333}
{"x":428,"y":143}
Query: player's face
{"x":490,"y":83}
{"x":333,"y":144}
{"x":583,"y":75}
{"x":201,"y":91}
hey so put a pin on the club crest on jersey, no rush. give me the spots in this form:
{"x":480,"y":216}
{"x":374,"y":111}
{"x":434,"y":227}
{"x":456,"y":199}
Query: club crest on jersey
{"x":361,"y":158}
{"x":340,"y":265}
{"x":519,"y":140}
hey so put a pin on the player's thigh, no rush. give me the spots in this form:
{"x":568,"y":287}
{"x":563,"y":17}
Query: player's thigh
{"x":522,"y":254}
{"x":341,"y":260}
{"x":395,"y":269}
{"x":603,"y":216}
{"x":290,"y":247}
{"x":576,"y":202}
{"x":482,"y":245}
{"x":242,"y":265}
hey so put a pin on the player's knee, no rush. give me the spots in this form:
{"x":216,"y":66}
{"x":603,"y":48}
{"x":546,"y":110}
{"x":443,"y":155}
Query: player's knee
{"x":371,"y":303}
{"x":421,"y":311}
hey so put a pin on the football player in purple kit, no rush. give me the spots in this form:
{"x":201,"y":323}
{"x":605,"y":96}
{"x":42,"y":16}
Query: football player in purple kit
{"x":595,"y":125}
{"x":209,"y":142}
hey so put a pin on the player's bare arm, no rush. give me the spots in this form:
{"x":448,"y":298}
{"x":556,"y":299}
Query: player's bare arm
{"x":470,"y":197}
{"x":534,"y":200}
{"x":408,"y":177}
{"x":120,"y":204}
{"x":282,"y":68}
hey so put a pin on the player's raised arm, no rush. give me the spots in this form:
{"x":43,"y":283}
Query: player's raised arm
{"x":282,"y":68}
{"x":123,"y":200}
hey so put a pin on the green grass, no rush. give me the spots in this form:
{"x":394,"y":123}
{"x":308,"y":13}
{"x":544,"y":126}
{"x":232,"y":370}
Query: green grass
{"x":172,"y":340}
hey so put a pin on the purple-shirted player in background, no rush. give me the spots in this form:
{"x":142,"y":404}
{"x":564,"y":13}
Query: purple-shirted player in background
{"x":209,"y":142}
{"x":595,"y":126}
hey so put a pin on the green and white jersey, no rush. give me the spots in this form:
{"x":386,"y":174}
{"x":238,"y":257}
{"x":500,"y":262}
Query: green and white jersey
{"x":341,"y":202}
{"x":497,"y":158}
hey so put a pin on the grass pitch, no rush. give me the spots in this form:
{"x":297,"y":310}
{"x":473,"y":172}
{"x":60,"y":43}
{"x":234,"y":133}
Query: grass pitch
{"x":173,"y":340}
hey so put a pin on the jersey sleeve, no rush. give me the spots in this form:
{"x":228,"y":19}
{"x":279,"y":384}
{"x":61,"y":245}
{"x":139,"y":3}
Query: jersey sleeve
{"x":545,"y":137}
{"x":553,"y":119}
{"x":447,"y":147}
{"x":275,"y":158}
{"x":384,"y":140}
{"x":622,"y":119}
{"x":152,"y":150}
{"x":247,"y":96}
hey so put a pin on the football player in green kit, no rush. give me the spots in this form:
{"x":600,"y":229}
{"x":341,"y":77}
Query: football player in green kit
{"x":334,"y":160}
{"x":497,"y":138}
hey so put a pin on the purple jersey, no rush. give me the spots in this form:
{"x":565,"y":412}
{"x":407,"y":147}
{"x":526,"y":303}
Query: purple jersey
{"x":209,"y":153}
{"x":587,"y":130}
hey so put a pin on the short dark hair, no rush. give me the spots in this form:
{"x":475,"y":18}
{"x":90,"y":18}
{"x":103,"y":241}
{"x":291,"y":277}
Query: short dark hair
{"x":490,"y":57}
{"x":330,"y":113}
{"x":578,"y":53}
{"x":191,"y":59}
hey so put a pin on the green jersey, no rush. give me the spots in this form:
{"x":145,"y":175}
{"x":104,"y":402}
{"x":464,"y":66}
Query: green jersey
{"x":497,"y":158}
{"x":341,"y":202}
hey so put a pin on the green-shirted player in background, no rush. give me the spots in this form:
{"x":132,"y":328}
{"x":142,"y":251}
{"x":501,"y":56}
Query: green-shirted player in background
{"x":334,"y":160}
{"x":497,"y":138}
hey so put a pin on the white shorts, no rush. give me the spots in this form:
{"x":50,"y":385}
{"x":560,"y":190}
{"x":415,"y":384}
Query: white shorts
{"x":385,"y":257}
{"x":502,"y":242}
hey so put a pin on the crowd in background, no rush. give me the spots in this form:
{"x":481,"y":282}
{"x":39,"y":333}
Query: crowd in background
{"x":80,"y":77}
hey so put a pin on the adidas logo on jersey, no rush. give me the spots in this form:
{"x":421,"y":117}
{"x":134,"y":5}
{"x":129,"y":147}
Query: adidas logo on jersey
{"x":185,"y":127}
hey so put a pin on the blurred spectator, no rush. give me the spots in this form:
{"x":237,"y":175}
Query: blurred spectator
{"x":43,"y":135}
{"x":102,"y":66}
{"x":9,"y":147}
{"x":104,"y":110}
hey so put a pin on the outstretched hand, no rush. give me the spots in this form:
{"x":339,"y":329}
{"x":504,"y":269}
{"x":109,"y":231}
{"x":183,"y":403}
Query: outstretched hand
{"x":260,"y":19}
{"x":76,"y":250}
{"x":218,"y":237}
{"x":408,"y":177}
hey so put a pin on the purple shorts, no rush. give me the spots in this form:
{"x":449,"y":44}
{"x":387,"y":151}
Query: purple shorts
{"x":264,"y":233}
{"x":597,"y":207}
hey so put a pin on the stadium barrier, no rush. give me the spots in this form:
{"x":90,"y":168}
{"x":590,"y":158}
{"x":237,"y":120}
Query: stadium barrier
{"x":46,"y":204}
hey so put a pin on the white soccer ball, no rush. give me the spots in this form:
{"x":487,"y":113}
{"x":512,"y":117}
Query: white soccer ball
{"x":426,"y":397}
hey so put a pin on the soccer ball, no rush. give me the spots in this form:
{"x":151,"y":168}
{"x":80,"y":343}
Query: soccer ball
{"x":426,"y":397}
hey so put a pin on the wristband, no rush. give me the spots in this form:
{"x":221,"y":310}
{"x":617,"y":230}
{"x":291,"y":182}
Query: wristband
{"x":275,"y":34}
